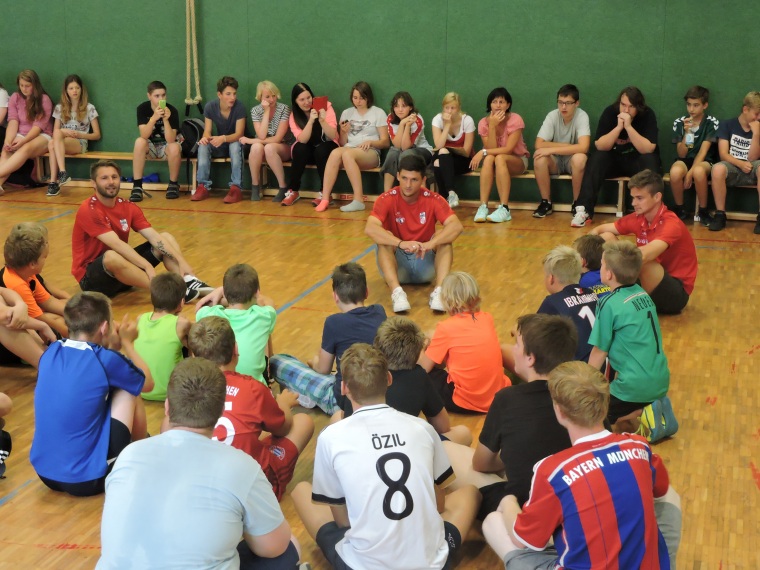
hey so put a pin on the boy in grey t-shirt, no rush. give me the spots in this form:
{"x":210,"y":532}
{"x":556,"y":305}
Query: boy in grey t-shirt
{"x":227,"y":114}
{"x":561,"y":146}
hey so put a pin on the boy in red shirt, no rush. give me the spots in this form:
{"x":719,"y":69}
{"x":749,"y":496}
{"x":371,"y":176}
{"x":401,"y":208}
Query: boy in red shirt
{"x":250,"y":408}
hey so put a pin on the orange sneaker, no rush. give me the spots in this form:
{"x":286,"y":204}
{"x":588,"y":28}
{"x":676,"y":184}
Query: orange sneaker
{"x":290,"y":198}
{"x":234,"y":196}
{"x":201,"y":193}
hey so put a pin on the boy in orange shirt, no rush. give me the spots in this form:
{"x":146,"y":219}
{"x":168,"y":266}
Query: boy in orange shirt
{"x":26,"y":250}
{"x":467,"y":344}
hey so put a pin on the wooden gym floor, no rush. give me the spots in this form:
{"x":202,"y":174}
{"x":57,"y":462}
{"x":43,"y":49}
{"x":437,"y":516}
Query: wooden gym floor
{"x":713,"y":349}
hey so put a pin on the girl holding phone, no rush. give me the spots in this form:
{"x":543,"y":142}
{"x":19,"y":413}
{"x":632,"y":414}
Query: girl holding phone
{"x":30,"y":128}
{"x":453,"y":136}
{"x":316,"y":134}
{"x":504,"y":154}
{"x":406,"y":131}
{"x":363,"y":134}
{"x":74,"y":118}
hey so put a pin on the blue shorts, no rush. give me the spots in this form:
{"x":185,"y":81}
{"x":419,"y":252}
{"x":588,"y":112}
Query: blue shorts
{"x":411,"y":269}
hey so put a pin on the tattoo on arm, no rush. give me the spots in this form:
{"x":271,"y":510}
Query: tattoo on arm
{"x":162,"y":248}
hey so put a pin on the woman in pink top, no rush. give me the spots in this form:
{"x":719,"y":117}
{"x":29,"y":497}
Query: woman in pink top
{"x":504,"y":154}
{"x":316,"y":135}
{"x":30,"y":128}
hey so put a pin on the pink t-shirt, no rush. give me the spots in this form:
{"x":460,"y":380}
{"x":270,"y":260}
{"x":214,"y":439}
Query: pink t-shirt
{"x":330,"y":119}
{"x":514,"y":122}
{"x":17,"y":112}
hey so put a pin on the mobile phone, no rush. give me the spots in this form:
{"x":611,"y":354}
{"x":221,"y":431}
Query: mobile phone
{"x":319,"y":103}
{"x":162,"y":103}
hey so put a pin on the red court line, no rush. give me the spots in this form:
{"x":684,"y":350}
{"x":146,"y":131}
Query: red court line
{"x":62,"y":546}
{"x":354,"y":220}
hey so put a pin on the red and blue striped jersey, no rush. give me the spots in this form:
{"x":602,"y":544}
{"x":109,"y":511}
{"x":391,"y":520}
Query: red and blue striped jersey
{"x":597,"y":499}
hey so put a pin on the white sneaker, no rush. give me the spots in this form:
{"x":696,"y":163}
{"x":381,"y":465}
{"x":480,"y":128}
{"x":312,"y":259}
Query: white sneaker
{"x":435,"y":300}
{"x":480,"y":215}
{"x":453,"y":199}
{"x":400,"y":302}
{"x":580,"y":217}
{"x":500,"y":214}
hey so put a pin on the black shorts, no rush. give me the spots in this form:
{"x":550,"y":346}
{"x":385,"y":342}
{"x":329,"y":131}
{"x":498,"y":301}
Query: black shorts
{"x":619,"y":409}
{"x":440,"y":379}
{"x":118,"y":440}
{"x":495,"y":492}
{"x":97,"y":278}
{"x":669,"y":296}
{"x":330,"y":534}
{"x":288,"y":560}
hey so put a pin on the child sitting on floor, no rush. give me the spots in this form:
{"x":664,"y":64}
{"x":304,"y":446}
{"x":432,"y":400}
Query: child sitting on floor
{"x":251,"y":314}
{"x":590,"y":248}
{"x":26,"y":250}
{"x":401,"y":341}
{"x":250,"y":408}
{"x":466,"y":343}
{"x":163,"y":332}
{"x":355,"y":323}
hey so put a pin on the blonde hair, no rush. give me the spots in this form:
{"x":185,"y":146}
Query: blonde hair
{"x":364,"y":370}
{"x":460,"y":293}
{"x":269,"y":86}
{"x":452,"y":97}
{"x":752,"y":100}
{"x":564,"y":263}
{"x":401,"y":341}
{"x":25,"y":244}
{"x":581,"y":393}
{"x":81,"y":110}
{"x":212,"y":338}
{"x":624,"y":259}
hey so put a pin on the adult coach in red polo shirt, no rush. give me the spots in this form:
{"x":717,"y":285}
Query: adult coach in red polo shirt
{"x":402,"y":224}
{"x":103,"y":260}
{"x":670,"y":258}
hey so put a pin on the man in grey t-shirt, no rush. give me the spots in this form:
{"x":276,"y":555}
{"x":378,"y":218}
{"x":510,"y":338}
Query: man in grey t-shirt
{"x":561,"y":147}
{"x":182,"y":500}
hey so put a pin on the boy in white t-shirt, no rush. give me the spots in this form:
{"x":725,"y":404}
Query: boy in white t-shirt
{"x":561,"y":147}
{"x":380,"y":475}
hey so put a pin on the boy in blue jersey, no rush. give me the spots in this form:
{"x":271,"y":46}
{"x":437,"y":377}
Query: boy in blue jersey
{"x":562,"y":270}
{"x":86,"y":404}
{"x":605,"y":501}
{"x":628,"y":331}
{"x":590,"y":247}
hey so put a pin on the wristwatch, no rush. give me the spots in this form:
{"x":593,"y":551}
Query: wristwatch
{"x":485,"y":152}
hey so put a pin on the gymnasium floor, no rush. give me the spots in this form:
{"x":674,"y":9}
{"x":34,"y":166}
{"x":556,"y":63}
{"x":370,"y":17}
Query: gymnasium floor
{"x":713,"y":348}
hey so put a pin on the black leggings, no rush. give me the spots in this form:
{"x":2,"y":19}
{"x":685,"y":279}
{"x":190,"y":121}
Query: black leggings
{"x":304,"y":154}
{"x":608,"y":164}
{"x":449,"y":166}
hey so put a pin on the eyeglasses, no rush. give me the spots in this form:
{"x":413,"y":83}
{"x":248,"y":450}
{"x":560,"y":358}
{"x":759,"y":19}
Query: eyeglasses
{"x":566,"y":103}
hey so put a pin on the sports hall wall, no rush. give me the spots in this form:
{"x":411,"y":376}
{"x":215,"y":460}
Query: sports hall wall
{"x":426,"y":47}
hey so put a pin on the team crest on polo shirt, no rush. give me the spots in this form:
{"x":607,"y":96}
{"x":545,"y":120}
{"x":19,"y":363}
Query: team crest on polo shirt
{"x":399,"y":218}
{"x":423,"y":217}
{"x":124,"y":224}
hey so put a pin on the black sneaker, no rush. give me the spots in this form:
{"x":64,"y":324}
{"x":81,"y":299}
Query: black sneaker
{"x":544,"y":209}
{"x":63,"y":178}
{"x":54,"y":189}
{"x":680,"y":211}
{"x":196,"y":288}
{"x":136,"y":195}
{"x":757,"y":225}
{"x":704,"y":217}
{"x":719,"y":222}
{"x":172,"y":191}
{"x":6,"y":445}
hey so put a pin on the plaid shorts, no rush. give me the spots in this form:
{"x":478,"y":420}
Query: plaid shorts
{"x":301,"y":378}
